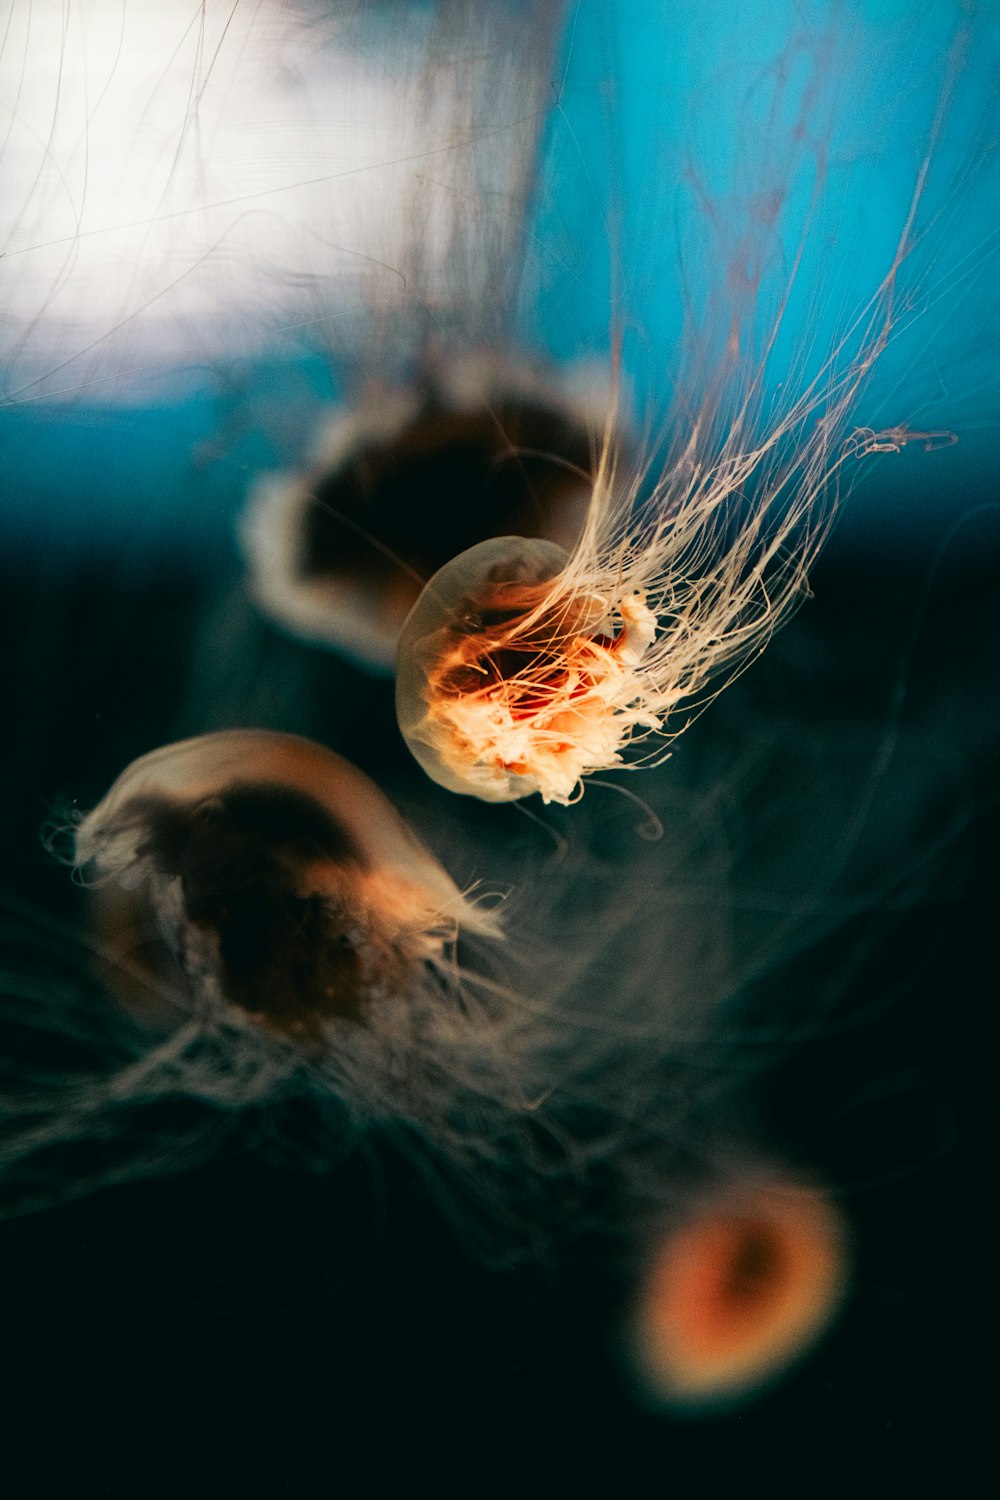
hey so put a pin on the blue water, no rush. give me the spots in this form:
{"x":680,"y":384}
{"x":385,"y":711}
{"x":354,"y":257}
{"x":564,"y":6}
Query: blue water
{"x":672,"y":129}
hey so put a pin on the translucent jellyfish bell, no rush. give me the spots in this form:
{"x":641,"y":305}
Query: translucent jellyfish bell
{"x":510,"y":683}
{"x":260,"y":870}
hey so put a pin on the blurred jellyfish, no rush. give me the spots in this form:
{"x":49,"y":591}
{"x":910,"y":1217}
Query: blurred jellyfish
{"x":275,"y":876}
{"x":273,"y":929}
{"x":402,"y":481}
{"x":732,"y":1294}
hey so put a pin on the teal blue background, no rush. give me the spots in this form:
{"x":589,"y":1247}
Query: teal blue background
{"x":669,"y":122}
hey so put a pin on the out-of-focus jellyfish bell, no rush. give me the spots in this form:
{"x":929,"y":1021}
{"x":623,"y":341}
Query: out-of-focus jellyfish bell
{"x":737,"y":1291}
{"x":262,"y":871}
{"x":409,"y":477}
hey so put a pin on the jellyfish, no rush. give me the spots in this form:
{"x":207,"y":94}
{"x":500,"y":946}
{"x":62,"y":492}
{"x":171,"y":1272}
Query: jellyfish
{"x":529,"y":663}
{"x":525,"y":667}
{"x":271,"y":930}
{"x":477,"y":446}
{"x":272,"y":876}
{"x":735,"y":1292}
{"x":262,"y":953}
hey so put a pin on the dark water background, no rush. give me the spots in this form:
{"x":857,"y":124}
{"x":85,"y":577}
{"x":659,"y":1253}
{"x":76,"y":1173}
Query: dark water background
{"x":249,"y":1321}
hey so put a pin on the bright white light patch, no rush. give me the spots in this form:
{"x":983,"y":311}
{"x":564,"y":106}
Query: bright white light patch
{"x":182,"y":181}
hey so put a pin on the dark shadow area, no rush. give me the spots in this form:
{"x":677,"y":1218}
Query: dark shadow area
{"x":252,"y":1323}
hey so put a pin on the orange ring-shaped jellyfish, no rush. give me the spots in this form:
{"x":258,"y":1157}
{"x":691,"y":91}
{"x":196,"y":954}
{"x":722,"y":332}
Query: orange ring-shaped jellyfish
{"x":734,"y":1294}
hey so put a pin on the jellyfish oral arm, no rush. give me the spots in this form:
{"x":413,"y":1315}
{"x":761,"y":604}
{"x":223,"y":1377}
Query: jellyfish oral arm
{"x":560,"y":720}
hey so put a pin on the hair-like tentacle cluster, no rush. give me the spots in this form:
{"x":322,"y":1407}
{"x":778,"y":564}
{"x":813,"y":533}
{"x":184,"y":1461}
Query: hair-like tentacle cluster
{"x":523,"y":669}
{"x":258,"y":887}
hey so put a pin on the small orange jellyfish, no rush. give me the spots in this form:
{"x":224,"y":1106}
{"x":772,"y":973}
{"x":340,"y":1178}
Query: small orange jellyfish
{"x":407,"y":477}
{"x":737,"y":1292}
{"x":261,"y":871}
